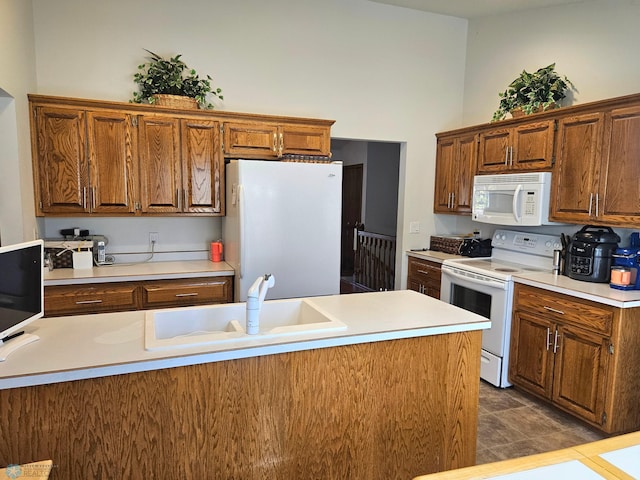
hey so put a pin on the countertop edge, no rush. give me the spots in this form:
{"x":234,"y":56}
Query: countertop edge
{"x":232,"y":354}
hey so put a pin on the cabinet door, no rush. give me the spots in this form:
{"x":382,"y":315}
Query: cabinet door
{"x":494,"y":150}
{"x":533,"y":145}
{"x":112,"y":162}
{"x":202,"y":167}
{"x":445,"y":154}
{"x":251,"y":140}
{"x":577,"y":168}
{"x":160,"y":167}
{"x":462,"y":173}
{"x":182,"y":292}
{"x":60,"y":166}
{"x":531,"y":362}
{"x":580,"y":370}
{"x":455,"y":168}
{"x":619,"y":191}
{"x":304,"y":140}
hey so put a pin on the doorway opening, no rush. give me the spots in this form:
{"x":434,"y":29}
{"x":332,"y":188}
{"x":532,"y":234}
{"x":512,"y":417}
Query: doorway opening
{"x":371,"y":172}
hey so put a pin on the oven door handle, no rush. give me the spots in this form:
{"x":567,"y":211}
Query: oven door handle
{"x":487,"y":283}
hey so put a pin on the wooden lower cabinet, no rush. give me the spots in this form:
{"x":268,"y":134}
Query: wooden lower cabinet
{"x":424,"y":277}
{"x":122,"y":296}
{"x":581,"y":356}
{"x":377,"y":410}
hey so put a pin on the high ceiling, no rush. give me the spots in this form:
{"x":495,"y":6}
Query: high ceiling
{"x":475,"y":8}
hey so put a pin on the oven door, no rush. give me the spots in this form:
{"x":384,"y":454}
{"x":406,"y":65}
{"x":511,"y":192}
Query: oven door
{"x":492,"y":298}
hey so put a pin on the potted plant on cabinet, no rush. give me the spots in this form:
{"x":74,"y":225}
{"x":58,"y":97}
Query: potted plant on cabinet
{"x":533,"y":92}
{"x":163,"y":82}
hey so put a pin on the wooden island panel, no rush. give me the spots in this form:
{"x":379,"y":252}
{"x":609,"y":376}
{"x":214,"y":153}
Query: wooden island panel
{"x":390,"y":409}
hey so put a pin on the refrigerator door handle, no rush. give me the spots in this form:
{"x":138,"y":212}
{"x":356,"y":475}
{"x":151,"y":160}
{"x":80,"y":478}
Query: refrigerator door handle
{"x":241,"y":228}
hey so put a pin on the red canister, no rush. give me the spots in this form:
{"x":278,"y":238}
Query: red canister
{"x":216,"y":251}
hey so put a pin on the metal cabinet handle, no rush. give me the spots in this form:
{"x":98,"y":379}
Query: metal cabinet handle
{"x":506,"y":156}
{"x":597,"y":203}
{"x":194,"y":294}
{"x":84,"y":302}
{"x":511,"y":155}
{"x":84,"y":197}
{"x":554,"y":310}
{"x":185,"y":196}
{"x":555,"y":342}
{"x":423,"y":272}
{"x":548,"y":338}
{"x":93,"y":198}
{"x":275,"y":149}
{"x":453,"y":199}
{"x":590,"y":202}
{"x":281,"y":145}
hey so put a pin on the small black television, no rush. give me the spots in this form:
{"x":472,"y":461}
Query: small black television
{"x":21,"y":293}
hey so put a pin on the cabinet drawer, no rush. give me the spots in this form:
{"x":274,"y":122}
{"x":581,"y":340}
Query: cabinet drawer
{"x":186,"y":292}
{"x":565,"y":308}
{"x":426,"y":272}
{"x":78,"y":300}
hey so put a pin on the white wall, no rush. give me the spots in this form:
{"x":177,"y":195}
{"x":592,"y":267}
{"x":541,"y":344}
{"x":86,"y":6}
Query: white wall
{"x":382,"y":72}
{"x":593,"y":43}
{"x":17,"y":78}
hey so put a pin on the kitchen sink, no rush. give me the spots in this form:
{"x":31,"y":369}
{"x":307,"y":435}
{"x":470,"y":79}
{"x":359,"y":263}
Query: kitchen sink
{"x":223,"y":324}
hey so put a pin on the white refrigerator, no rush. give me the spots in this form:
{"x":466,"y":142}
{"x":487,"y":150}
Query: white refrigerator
{"x":283,"y":218}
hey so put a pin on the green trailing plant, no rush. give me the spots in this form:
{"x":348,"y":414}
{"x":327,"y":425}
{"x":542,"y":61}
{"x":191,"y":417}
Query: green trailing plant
{"x":172,"y":77}
{"x":533,"y":92}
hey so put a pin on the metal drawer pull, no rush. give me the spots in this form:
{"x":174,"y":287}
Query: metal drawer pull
{"x":553,"y":310}
{"x":424,"y":272}
{"x":194,"y":294}
{"x":82,"y":302}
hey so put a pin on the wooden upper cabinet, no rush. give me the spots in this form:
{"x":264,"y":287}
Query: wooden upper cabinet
{"x":304,"y":140}
{"x":92,"y":157}
{"x":455,"y":169}
{"x":575,"y":181}
{"x":61,"y":175}
{"x":111,"y":139}
{"x":527,"y":146}
{"x":265,"y":140}
{"x":619,"y":186}
{"x":202,"y":167}
{"x":160,"y":165}
{"x":250,"y":140}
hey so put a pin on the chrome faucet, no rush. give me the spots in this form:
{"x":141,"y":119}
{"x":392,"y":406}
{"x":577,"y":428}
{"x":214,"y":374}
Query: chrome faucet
{"x":255,"y":298}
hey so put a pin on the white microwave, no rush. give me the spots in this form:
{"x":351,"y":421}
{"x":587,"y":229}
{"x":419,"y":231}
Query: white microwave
{"x":512,"y":199}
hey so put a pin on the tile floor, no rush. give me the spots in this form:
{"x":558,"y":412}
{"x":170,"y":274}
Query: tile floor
{"x":513,"y":424}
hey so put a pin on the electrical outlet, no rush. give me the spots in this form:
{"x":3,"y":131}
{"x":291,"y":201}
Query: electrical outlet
{"x":477,"y":233}
{"x":154,"y":238}
{"x":414,"y":227}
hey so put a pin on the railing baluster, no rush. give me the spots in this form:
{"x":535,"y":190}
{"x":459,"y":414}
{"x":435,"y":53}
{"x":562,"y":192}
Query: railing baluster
{"x":375,"y":261}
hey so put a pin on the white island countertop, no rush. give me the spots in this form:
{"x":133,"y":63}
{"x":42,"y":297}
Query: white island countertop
{"x":138,"y":271}
{"x":90,"y":346}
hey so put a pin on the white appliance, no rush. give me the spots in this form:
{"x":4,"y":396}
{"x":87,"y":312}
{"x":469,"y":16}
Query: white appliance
{"x":283,"y":218}
{"x":485,"y":286}
{"x":512,"y":199}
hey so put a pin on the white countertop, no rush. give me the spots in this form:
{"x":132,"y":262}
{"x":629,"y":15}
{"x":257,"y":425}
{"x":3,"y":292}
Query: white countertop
{"x":89,"y":346}
{"x":432,"y":255}
{"x":138,"y":271}
{"x":597,"y":292}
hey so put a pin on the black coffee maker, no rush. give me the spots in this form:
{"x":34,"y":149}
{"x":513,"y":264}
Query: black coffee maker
{"x":590,"y":254}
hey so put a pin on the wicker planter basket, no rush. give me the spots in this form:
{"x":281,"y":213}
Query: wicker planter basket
{"x":175,"y":101}
{"x":517,"y":112}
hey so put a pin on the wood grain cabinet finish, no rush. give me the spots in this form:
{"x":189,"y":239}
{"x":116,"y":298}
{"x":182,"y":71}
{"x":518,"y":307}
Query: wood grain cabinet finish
{"x":527,"y":146}
{"x":92,"y":157}
{"x":455,"y":168}
{"x":598,"y":164}
{"x":273,"y":140}
{"x":424,"y":277}
{"x":579,"y":355}
{"x":123,"y":296}
{"x":172,"y":293}
{"x":94,"y":298}
{"x":377,"y":410}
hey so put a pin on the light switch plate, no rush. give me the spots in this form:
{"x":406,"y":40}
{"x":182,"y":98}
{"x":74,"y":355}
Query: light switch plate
{"x":414,"y":227}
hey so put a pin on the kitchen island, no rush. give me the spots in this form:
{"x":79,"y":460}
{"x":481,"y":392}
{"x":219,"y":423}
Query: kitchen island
{"x":393,"y":395}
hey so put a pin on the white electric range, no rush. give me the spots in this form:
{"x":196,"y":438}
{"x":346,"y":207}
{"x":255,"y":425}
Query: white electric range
{"x":485,"y":286}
